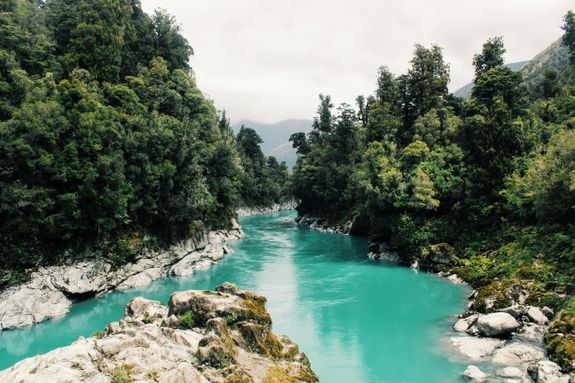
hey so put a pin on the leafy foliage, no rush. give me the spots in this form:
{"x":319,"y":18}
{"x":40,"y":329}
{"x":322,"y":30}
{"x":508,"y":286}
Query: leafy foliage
{"x":106,"y":143}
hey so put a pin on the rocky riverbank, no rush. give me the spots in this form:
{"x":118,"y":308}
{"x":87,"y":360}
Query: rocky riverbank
{"x":501,"y":345}
{"x":504,"y":345}
{"x":52,"y":290}
{"x":201,"y":336}
{"x":323,"y":225}
{"x":275,"y":208}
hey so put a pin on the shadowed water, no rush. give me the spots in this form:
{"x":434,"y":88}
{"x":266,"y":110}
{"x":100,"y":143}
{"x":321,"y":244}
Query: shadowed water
{"x":357,"y":320}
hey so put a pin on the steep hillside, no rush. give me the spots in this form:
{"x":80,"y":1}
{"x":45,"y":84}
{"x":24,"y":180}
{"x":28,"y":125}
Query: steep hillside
{"x":555,"y":56}
{"x":276,"y":137}
{"x":465,"y":91}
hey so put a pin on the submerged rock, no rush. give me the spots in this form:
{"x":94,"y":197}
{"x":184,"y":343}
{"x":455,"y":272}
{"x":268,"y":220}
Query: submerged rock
{"x":476,"y":348}
{"x":474,"y":374}
{"x":222,"y":336}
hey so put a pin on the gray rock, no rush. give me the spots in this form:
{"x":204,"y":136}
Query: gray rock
{"x":275,"y":208}
{"x":464,"y":324}
{"x":549,"y":372}
{"x":474,"y":374}
{"x":517,"y":354}
{"x":548,"y":312}
{"x":536,"y":316}
{"x":29,"y":304}
{"x":510,"y":372}
{"x":497,"y":324}
{"x":455,"y":279}
{"x":145,"y":310}
{"x":516,"y":311}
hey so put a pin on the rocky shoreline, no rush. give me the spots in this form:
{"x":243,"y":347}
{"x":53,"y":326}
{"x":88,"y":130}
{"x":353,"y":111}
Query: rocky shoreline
{"x":275,"y":208}
{"x":320,"y":224}
{"x":52,"y":290}
{"x":201,"y":336}
{"x":506,"y":346}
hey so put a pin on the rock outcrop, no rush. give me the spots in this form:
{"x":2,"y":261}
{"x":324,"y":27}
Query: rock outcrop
{"x":202,"y":336}
{"x":52,"y":290}
{"x":275,"y":208}
{"x":323,"y":225}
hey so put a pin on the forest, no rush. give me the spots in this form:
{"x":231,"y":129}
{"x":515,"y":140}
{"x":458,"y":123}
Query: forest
{"x":488,"y":181}
{"x":107,"y":146}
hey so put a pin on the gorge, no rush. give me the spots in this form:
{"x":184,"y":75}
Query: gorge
{"x":390,"y":327}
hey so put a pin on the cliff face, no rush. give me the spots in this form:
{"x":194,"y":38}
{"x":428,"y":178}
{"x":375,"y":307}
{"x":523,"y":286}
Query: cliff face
{"x":219,"y":336}
{"x":52,"y":290}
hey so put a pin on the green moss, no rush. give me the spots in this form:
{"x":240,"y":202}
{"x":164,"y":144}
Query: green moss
{"x":560,"y":338}
{"x":256,"y":305}
{"x":187,"y":320}
{"x":238,"y":376}
{"x":259,"y":339}
{"x":279,"y":374}
{"x":97,"y":334}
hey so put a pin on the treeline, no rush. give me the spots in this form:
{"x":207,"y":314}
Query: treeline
{"x":106,"y":143}
{"x":491,"y":179}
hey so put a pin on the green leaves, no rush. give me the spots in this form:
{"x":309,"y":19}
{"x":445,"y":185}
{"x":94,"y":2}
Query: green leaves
{"x":94,"y":161}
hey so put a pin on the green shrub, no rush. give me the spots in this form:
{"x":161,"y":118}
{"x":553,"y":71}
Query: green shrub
{"x":122,"y":374}
{"x":187,"y":320}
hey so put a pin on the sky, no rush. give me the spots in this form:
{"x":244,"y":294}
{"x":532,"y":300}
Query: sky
{"x":268,"y":60}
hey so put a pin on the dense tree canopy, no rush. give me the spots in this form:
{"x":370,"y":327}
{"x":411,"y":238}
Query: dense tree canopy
{"x":414,"y":165}
{"x":106,"y":142}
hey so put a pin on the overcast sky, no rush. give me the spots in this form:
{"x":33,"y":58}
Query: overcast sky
{"x":267,"y":60}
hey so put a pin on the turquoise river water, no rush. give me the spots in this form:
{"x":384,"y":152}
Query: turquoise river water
{"x":357,"y":320}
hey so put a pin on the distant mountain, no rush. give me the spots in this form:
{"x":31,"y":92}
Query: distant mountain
{"x":465,"y":91}
{"x":276,"y":137}
{"x":555,"y":56}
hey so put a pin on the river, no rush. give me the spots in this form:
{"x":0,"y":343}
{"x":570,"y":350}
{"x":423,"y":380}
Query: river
{"x":357,"y":320}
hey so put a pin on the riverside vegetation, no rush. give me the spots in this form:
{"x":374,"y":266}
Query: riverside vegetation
{"x":107,"y":146}
{"x":482,"y":187}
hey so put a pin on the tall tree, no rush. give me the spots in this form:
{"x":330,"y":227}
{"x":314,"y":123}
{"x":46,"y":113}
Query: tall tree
{"x":490,"y":57}
{"x":98,"y":37}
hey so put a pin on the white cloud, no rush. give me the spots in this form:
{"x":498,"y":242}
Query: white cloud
{"x":268,"y":60}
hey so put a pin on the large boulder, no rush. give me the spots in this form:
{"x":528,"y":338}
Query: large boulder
{"x":28,"y":304}
{"x":517,"y":354}
{"x":206,"y":305}
{"x":145,"y":310}
{"x":498,"y":324}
